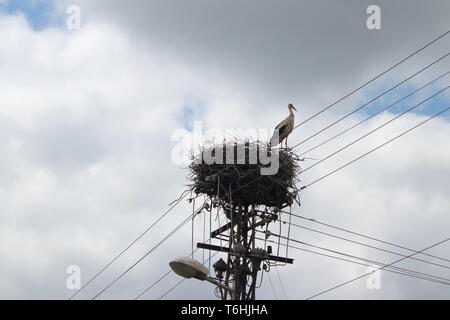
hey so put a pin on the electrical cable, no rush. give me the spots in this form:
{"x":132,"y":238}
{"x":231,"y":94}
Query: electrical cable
{"x":143,"y":257}
{"x":175,"y":203}
{"x":367,"y":245}
{"x":381,"y":268}
{"x":367,"y":103}
{"x":373,"y":115}
{"x":398,"y":270}
{"x":374,"y":149}
{"x":374,"y":130}
{"x":362,"y":235}
{"x":373,"y":79}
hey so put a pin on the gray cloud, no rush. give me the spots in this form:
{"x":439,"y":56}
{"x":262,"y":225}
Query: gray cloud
{"x":294,"y":49}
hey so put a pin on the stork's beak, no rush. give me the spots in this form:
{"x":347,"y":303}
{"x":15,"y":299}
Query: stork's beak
{"x":294,"y":108}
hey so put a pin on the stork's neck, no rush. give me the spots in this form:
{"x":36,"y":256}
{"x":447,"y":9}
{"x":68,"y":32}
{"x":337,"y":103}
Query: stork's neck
{"x":290,"y":111}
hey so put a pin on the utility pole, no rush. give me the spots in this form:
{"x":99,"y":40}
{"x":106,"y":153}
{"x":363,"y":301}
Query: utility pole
{"x":244,"y":258}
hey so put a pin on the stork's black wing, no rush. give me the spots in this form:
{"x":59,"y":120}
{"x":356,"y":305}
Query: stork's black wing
{"x":281,"y":129}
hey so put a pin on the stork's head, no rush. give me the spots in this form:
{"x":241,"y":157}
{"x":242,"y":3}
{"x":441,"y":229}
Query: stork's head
{"x":291,"y":106}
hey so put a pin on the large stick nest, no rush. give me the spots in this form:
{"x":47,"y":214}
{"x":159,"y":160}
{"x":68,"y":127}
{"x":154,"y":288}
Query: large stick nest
{"x":243,"y":178}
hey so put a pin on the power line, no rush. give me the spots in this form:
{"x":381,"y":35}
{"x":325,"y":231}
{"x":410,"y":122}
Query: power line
{"x":172,"y":288}
{"x":376,"y":129}
{"x":373,"y":79}
{"x":392,"y":269}
{"x":356,"y":257}
{"x":367,"y":103}
{"x":403,"y":271}
{"x":397,"y":270}
{"x":362,"y":235}
{"x":152,"y":285}
{"x":144,"y":256}
{"x":374,"y":149}
{"x":365,"y":245}
{"x":129,"y":246}
{"x":383,"y":267}
{"x":375,"y":114}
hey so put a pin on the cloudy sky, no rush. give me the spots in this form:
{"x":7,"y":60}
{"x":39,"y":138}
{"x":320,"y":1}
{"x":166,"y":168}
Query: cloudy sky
{"x":87,"y":117}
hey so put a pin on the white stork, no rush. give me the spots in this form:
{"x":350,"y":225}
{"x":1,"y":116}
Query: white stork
{"x":284,"y":129}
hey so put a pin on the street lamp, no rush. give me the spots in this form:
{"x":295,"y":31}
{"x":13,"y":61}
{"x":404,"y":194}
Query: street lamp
{"x":190,"y":268}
